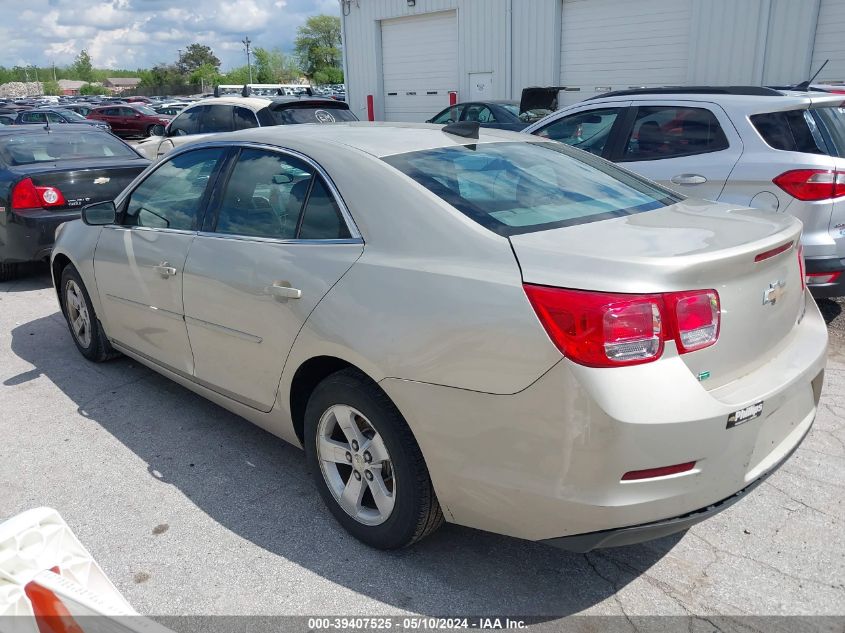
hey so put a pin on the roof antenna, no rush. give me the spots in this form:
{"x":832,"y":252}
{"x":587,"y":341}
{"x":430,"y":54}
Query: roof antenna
{"x":805,"y":85}
{"x":466,"y":129}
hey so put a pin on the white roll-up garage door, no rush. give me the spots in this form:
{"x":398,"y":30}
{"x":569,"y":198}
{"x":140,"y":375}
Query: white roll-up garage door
{"x":830,"y":43}
{"x":607,"y":44}
{"x":420,"y":65}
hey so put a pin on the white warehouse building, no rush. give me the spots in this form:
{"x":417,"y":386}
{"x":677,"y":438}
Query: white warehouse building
{"x":406,"y":56}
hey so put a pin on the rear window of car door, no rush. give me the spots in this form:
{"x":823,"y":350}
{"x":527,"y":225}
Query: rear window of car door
{"x":188,"y":122}
{"x":172,"y":196}
{"x":276,"y":196}
{"x":244,"y":118}
{"x":661,"y":132}
{"x":478,"y":112}
{"x":33,"y":117}
{"x":449,"y":115}
{"x":216,"y":118}
{"x":589,"y":130}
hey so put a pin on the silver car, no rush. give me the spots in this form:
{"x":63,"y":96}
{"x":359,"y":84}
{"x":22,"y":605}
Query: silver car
{"x":485,"y":328}
{"x":778,"y":150}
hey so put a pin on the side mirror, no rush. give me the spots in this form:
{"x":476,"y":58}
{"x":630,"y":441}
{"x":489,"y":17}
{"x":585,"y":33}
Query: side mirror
{"x":137,"y":116}
{"x":99,"y":213}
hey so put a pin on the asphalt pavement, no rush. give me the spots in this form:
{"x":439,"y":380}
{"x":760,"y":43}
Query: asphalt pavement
{"x":191,"y":510}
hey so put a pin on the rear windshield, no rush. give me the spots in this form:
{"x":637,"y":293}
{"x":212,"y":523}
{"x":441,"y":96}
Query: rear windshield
{"x":790,"y":131}
{"x":832,"y":122}
{"x":42,"y":148}
{"x":514,"y":188}
{"x":287,"y":115}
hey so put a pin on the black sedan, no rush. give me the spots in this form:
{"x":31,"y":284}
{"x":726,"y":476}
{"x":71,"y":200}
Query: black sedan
{"x":500,"y":115}
{"x":46,"y":176}
{"x":56,"y":115}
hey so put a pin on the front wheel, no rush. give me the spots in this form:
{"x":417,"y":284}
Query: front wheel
{"x":367,"y":464}
{"x":84,"y":326}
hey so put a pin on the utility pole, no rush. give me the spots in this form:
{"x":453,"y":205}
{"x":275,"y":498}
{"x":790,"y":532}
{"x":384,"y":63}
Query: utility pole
{"x":54,"y":70}
{"x":179,"y":50}
{"x":246,"y":42}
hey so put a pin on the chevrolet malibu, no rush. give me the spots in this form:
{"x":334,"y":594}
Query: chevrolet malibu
{"x":473,"y":326}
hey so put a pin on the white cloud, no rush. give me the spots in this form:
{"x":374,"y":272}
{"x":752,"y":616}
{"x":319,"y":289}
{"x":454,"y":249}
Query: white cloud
{"x":141,"y":33}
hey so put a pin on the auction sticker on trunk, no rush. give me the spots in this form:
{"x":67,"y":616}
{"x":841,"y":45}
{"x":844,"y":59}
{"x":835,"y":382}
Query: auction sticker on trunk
{"x":744,"y":415}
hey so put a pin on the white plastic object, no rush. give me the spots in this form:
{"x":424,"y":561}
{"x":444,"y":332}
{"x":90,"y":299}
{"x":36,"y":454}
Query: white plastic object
{"x":34,"y":544}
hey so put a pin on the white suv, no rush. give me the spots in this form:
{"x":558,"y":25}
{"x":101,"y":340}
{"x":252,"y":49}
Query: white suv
{"x":228,"y":114}
{"x":757,"y":147}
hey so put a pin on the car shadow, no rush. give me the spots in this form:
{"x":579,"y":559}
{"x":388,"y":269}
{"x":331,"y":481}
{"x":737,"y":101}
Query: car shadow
{"x":259,"y":488}
{"x":31,"y":276}
{"x":829,"y":308}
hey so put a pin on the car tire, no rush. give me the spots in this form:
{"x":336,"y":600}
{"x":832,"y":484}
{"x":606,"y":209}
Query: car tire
{"x":414,"y":510}
{"x":149,"y":131}
{"x":8,"y":271}
{"x":85,"y":327}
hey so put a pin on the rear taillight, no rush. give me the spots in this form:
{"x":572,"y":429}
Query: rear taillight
{"x":818,"y":279}
{"x":600,"y":329}
{"x":25,"y":195}
{"x":697,"y":317}
{"x":812,"y":184}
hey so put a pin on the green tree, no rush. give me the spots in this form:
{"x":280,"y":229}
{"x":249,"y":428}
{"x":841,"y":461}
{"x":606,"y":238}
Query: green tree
{"x":328,"y":76}
{"x":82,"y":67}
{"x":91,"y":89}
{"x":205,"y":76}
{"x":273,"y":66}
{"x":318,"y":44}
{"x":197,"y":56}
{"x":236,"y":76}
{"x":52,"y":88}
{"x":163,"y":75}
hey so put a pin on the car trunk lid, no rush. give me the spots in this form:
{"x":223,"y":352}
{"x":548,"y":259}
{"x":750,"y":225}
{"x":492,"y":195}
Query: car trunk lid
{"x":691,"y":245}
{"x":97,"y":181}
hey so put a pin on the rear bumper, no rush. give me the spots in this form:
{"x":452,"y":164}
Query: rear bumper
{"x":30,"y":237}
{"x":547,"y":463}
{"x":583,"y":543}
{"x":827,"y":265}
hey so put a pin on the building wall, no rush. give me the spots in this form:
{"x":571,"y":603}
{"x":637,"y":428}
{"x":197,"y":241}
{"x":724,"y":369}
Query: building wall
{"x":519,"y":41}
{"x":483,"y":35}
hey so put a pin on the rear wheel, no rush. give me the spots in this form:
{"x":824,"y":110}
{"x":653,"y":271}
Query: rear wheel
{"x":367,"y":464}
{"x":8,"y":271}
{"x":84,"y":326}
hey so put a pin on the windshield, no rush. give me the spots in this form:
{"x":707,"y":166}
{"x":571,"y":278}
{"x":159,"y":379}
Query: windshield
{"x":513,"y":188}
{"x":833,"y":122}
{"x":309,"y":113}
{"x":145,"y":110}
{"x":42,"y":148}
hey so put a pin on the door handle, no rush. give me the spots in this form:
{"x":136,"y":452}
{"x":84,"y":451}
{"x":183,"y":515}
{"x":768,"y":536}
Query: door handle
{"x":282,"y":290}
{"x":165,"y":270}
{"x":688,"y":179}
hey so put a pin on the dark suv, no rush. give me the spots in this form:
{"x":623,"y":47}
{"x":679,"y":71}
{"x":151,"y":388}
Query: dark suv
{"x":131,"y":119}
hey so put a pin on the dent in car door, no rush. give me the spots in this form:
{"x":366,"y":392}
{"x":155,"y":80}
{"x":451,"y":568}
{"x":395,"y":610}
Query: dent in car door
{"x":139,"y":263}
{"x":253,"y":278}
{"x":690,"y":147}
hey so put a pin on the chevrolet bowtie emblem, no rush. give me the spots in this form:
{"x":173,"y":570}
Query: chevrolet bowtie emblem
{"x":774,"y":292}
{"x":102,"y":180}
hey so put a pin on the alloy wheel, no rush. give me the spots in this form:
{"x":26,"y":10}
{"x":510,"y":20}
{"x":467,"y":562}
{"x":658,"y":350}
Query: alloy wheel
{"x":356,"y":465}
{"x":77,"y":313}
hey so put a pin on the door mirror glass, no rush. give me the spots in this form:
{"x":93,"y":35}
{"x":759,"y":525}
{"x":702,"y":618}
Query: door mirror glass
{"x":99,"y":214}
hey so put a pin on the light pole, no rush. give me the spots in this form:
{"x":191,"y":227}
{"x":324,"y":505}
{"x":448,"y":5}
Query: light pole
{"x":179,"y":64}
{"x":246,"y":42}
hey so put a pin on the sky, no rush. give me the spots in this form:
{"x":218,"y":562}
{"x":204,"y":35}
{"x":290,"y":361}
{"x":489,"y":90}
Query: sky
{"x":141,"y":33}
